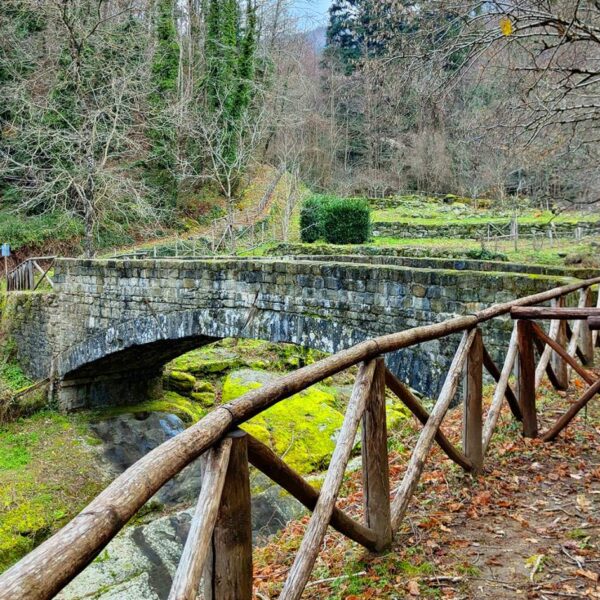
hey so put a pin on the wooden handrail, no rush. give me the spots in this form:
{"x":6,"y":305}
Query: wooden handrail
{"x":48,"y":568}
{"x":317,"y":526}
{"x":552,"y":433}
{"x":417,"y":459}
{"x":32,"y":259}
{"x":22,"y":277}
{"x":187,"y":578}
{"x":266,"y":461}
{"x":583,"y":373}
{"x":535,"y":312}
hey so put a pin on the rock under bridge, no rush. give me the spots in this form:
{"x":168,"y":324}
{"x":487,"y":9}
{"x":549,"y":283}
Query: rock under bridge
{"x":106,"y":331}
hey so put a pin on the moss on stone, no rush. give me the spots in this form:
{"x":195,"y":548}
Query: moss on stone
{"x":47,"y":474}
{"x":202,"y":366}
{"x":171,"y":402}
{"x":204,"y":387}
{"x":301,"y":429}
{"x":179,"y":381}
{"x":396,"y":413}
{"x":206,"y":399}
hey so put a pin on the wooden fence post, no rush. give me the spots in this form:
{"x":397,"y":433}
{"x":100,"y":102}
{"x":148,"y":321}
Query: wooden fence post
{"x":376,"y":482}
{"x":527,"y":378}
{"x":587,"y":343}
{"x":559,"y":366}
{"x":473,"y":397}
{"x":228,"y":571}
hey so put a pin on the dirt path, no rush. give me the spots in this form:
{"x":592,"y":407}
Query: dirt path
{"x":529,"y":527}
{"x":542,"y":540}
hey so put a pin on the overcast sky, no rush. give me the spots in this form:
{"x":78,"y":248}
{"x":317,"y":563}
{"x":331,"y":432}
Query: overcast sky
{"x":312,"y":13}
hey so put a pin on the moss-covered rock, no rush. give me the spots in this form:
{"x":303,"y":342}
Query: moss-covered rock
{"x":179,"y":381}
{"x":171,"y":403}
{"x":48,"y":473}
{"x":301,"y":429}
{"x":396,"y":413}
{"x":206,"y":399}
{"x":208,"y":361}
{"x":204,"y":387}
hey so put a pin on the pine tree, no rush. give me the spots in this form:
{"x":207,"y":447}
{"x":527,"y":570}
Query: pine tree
{"x":344,"y":40}
{"x":360,"y":29}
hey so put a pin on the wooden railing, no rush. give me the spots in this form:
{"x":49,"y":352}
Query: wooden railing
{"x":219,"y":545}
{"x":29,"y":275}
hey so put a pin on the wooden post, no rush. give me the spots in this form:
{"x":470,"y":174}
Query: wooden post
{"x":30,"y":276}
{"x":376,"y":483}
{"x":214,"y":468}
{"x":587,"y":344}
{"x":559,"y":366}
{"x":416,"y":464}
{"x":317,"y":526}
{"x":527,"y":378}
{"x":473,"y":397}
{"x":228,"y":571}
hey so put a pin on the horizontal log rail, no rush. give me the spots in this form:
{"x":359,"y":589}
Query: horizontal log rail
{"x":221,"y":556}
{"x":537,"y":313}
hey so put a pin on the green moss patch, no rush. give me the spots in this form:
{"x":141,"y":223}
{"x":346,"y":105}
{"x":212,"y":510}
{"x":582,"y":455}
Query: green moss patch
{"x":205,"y":362}
{"x":47,"y":475}
{"x":302,"y":429}
{"x":187,"y":410}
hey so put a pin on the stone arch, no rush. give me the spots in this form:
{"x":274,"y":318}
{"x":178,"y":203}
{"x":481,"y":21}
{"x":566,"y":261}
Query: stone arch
{"x":123,"y":364}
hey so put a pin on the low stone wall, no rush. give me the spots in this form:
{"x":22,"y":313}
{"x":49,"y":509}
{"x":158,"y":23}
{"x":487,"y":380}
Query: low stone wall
{"x":417,"y":258}
{"x":477,"y":230}
{"x":111,"y":325}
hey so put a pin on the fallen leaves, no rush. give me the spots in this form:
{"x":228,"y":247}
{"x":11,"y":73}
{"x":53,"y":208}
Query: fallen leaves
{"x":413,"y":588}
{"x":588,"y":574}
{"x":510,"y":524}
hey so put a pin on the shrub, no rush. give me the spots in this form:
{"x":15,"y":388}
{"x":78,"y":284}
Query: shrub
{"x":485,"y":254}
{"x":311,"y":219}
{"x":346,"y":221}
{"x":20,"y":230}
{"x":337,"y":220}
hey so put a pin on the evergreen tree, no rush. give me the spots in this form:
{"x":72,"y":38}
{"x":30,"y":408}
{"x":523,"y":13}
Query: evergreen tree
{"x":344,"y":38}
{"x":230,"y":50}
{"x":360,"y":29}
{"x":160,"y":165}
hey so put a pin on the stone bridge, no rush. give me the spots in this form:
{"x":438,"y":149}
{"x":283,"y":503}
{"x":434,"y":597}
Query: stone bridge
{"x":105,"y":333}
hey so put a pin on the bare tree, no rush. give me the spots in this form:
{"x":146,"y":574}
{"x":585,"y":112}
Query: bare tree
{"x":77,"y":125}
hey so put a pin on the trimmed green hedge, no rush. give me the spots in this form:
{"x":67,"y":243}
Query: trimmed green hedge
{"x":346,"y":221}
{"x":337,"y":220}
{"x":311,"y":228}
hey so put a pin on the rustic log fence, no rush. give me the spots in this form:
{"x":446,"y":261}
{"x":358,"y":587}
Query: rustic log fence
{"x":30,"y":274}
{"x":218,"y":549}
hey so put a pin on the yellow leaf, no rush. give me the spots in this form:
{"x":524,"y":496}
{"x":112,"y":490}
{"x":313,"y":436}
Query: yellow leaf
{"x":506,"y":26}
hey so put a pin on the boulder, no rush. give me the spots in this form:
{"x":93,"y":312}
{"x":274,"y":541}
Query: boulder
{"x":302,"y":429}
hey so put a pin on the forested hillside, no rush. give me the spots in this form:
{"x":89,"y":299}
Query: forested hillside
{"x":121,"y":120}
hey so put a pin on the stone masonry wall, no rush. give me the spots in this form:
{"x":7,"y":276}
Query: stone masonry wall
{"x":476,"y":230}
{"x":106,"y":313}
